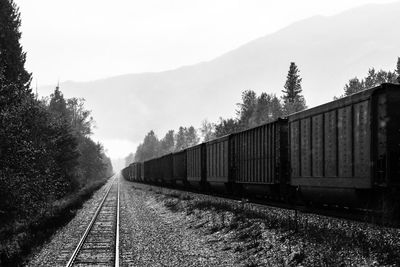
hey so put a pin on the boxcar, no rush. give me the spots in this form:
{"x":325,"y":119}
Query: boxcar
{"x":259,"y":158}
{"x":218,"y":163}
{"x":196,"y":165}
{"x":179,"y":167}
{"x":136,"y":171}
{"x":347,"y":151}
{"x":165,"y":168}
{"x":151,"y":172}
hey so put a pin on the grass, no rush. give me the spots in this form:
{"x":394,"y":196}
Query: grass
{"x":18,"y":240}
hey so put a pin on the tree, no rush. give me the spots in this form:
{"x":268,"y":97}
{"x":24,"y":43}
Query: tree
{"x":354,"y":86}
{"x":129,"y":159}
{"x":268,"y":109}
{"x":372,"y":79}
{"x":167,"y":144}
{"x":12,"y":58}
{"x":79,"y":117}
{"x":58,"y":105}
{"x":191,"y":137}
{"x":293,"y":84}
{"x":186,"y":137}
{"x":226,"y":126}
{"x":246,"y":108}
{"x":180,"y":139}
{"x":207,"y":131}
{"x":150,"y":147}
{"x":293,"y":101}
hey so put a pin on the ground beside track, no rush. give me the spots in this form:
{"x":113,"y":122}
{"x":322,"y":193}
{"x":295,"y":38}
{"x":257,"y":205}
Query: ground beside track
{"x":152,"y":235}
{"x":270,"y":236}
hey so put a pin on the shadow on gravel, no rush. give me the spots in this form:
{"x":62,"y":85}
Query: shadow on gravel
{"x":272,"y":236}
{"x":19,"y":240}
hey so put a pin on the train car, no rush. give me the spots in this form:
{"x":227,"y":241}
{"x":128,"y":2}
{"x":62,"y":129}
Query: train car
{"x":260,"y":160}
{"x":179,"y":167}
{"x":219,"y":164}
{"x":165,"y":169}
{"x":196,"y":166}
{"x":136,"y":171}
{"x":346,"y":152}
{"x":124,"y":173}
{"x":151,"y":172}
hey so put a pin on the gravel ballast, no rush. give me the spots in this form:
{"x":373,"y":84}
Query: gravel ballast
{"x":268,"y":236}
{"x":152,"y":235}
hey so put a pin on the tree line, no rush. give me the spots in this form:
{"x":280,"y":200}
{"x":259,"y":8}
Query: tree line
{"x":46,"y":151}
{"x":373,"y":78}
{"x":252,"y":111}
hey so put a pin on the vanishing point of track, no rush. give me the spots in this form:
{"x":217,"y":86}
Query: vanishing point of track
{"x":99,"y":245}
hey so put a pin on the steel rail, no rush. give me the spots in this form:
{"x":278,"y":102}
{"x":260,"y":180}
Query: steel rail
{"x":89,"y":227}
{"x":117,"y":230}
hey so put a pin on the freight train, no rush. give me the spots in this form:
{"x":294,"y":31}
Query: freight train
{"x":344,"y":153}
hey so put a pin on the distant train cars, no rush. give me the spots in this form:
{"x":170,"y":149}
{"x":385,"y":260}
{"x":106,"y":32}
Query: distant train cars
{"x":345,"y":153}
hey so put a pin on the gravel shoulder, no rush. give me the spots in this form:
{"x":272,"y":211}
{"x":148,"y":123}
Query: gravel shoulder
{"x":58,"y":249}
{"x":268,"y":236}
{"x":152,"y":235}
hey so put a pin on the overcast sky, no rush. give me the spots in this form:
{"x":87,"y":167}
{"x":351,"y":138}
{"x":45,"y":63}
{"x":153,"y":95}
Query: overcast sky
{"x":92,"y":39}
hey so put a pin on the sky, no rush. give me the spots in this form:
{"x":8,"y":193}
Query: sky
{"x":93,"y":39}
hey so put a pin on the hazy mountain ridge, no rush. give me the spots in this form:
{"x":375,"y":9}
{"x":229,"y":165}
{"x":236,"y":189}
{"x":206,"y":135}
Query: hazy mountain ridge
{"x":328,"y":51}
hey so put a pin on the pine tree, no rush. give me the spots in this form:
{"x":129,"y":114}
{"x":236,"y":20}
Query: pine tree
{"x":293,"y":84}
{"x":293,"y":101}
{"x":12,"y":58}
{"x":398,"y":70}
{"x":246,"y":108}
{"x":58,"y":105}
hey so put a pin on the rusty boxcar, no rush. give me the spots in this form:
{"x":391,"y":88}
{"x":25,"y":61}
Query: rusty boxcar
{"x":347,"y":151}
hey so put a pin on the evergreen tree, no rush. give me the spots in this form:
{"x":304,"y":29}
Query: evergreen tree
{"x":12,"y":58}
{"x":293,"y":84}
{"x":58,"y":105}
{"x":246,"y":108}
{"x":149,"y":148}
{"x":293,"y":101}
{"x":398,"y":70}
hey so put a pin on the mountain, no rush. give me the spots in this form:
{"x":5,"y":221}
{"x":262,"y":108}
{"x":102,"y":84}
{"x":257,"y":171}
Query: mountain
{"x":328,"y":51}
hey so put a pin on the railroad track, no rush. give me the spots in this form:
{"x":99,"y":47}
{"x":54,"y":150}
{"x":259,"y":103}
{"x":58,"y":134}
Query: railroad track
{"x":99,"y":245}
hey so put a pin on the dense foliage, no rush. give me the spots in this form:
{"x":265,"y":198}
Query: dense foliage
{"x":153,"y":147}
{"x":373,"y":78}
{"x":45,"y":148}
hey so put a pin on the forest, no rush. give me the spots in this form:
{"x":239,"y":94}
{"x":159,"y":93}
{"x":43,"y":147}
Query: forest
{"x":46,"y":150}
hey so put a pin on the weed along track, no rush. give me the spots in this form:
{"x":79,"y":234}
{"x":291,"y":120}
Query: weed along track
{"x":99,"y":245}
